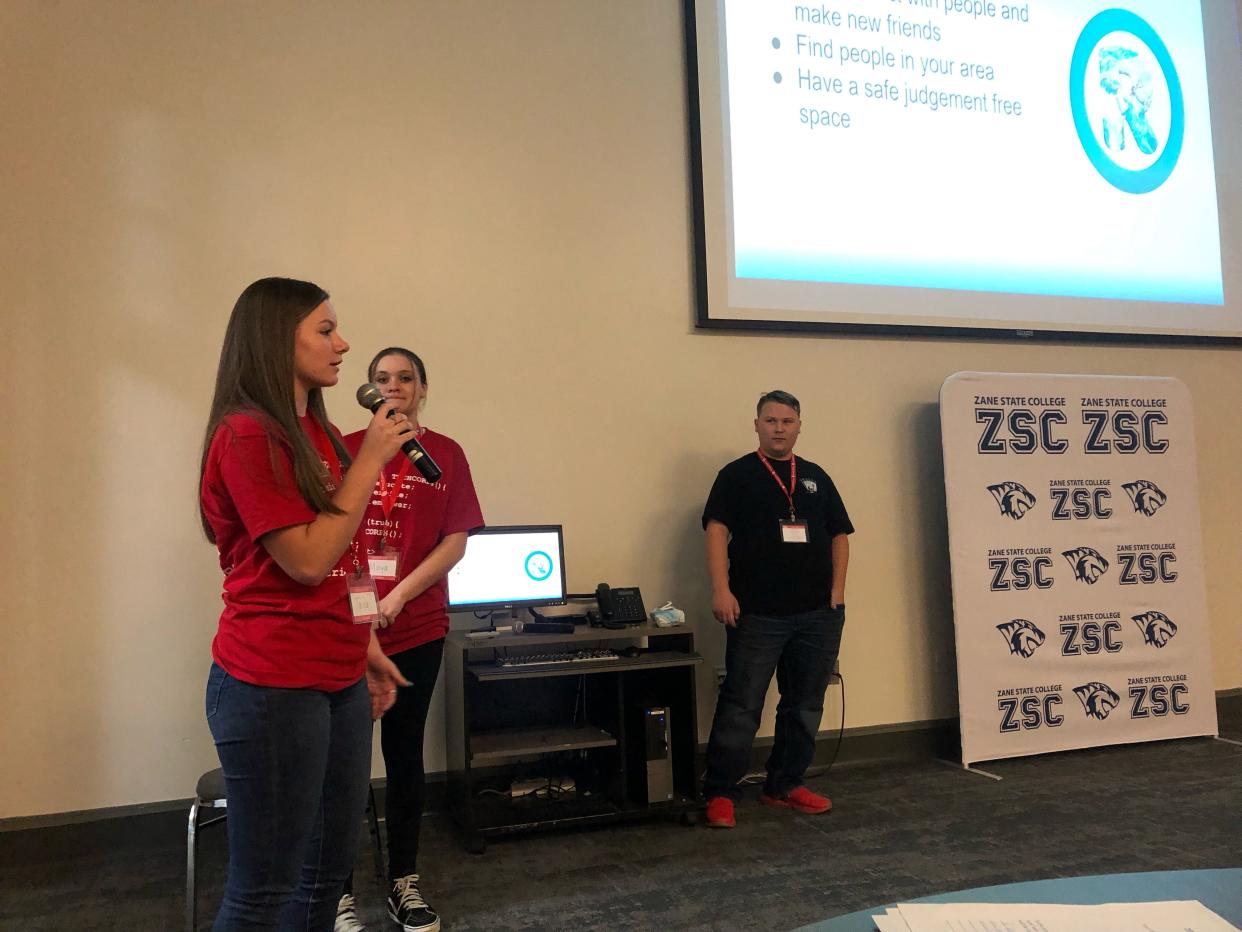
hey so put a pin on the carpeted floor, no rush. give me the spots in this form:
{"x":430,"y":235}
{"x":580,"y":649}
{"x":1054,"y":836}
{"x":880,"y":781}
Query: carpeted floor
{"x":898,"y":831}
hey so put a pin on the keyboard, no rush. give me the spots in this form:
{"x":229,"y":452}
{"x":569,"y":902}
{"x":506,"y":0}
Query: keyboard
{"x":560,"y":656}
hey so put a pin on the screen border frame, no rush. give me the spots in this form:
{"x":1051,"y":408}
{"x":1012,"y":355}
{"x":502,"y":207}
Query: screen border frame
{"x":503,"y":605}
{"x":702,"y":315}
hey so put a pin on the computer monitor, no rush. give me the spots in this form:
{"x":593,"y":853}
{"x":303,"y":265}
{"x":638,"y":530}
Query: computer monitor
{"x":509,"y":567}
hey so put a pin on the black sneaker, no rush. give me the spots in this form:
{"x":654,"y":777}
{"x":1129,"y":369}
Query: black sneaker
{"x":346,"y":918}
{"x":408,"y":909}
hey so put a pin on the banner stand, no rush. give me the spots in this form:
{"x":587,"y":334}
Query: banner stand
{"x":969,"y":769}
{"x":1079,"y":605}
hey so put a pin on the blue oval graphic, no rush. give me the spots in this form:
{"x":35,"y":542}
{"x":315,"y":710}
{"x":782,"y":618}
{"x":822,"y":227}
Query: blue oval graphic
{"x":538,"y":565}
{"x":1125,"y":179}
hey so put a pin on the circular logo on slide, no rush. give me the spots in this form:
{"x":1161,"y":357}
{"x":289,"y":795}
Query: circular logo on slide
{"x":1127,"y":101}
{"x":538,"y":565}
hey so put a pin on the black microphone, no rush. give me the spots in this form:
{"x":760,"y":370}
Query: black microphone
{"x":370,"y":397}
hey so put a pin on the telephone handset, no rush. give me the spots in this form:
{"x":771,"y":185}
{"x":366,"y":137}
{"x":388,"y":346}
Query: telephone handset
{"x":620,"y":606}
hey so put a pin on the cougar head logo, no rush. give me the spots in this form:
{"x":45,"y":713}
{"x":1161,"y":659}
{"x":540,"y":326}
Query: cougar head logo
{"x":1158,"y":628}
{"x":1089,"y":564}
{"x":1146,"y":496}
{"x":1097,"y":699}
{"x":1014,"y":499}
{"x":1022,"y":635}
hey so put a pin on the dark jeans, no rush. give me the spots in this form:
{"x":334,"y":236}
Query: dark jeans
{"x":801,"y":650}
{"x":401,"y":737}
{"x":296,"y":765}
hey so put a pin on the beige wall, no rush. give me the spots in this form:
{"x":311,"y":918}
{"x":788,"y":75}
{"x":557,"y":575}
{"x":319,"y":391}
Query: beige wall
{"x":502,"y":185}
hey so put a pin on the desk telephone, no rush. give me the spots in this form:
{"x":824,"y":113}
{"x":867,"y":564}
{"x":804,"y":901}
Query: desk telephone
{"x":621,"y":606}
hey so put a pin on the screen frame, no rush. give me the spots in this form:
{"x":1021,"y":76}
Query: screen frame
{"x":508,"y":604}
{"x":703,"y":319}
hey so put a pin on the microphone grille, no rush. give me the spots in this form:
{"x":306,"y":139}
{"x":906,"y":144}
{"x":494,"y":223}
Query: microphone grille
{"x":369,"y":396}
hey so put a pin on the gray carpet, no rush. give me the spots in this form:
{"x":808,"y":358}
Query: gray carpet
{"x":897,"y":831}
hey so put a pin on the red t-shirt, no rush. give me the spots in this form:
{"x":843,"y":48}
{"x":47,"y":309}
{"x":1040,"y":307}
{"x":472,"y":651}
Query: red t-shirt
{"x":422,"y":515}
{"x":273,"y":631}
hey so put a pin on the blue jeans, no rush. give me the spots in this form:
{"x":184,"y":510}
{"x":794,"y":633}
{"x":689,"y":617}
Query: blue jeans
{"x":801,"y":650}
{"x":296,"y":767}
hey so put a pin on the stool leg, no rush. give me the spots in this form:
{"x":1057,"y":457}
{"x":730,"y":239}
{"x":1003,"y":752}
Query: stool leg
{"x":378,"y":846}
{"x":191,"y":849}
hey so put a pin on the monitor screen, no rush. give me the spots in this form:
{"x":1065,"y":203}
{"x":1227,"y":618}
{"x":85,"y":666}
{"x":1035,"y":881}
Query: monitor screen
{"x":509,"y":567}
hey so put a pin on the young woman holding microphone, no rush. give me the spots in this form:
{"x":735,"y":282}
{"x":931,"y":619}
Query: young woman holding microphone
{"x":298,"y":674}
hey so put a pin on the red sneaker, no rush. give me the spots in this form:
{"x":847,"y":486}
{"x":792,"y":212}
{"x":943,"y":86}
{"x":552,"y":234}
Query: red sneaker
{"x":720,"y":812}
{"x":801,"y":799}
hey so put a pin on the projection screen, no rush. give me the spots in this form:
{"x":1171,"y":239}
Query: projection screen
{"x":1051,"y":168}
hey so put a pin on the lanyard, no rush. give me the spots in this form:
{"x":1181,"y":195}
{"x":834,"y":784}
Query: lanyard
{"x":793,"y":478}
{"x":319,"y":437}
{"x":388,"y":494}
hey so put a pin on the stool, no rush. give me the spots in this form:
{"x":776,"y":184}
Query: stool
{"x":209,"y":794}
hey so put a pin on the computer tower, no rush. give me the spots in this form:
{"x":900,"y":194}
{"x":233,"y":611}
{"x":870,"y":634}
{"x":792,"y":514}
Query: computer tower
{"x":651,"y":757}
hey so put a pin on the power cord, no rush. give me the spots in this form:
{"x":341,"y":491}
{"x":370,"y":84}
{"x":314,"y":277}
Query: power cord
{"x":751,"y":779}
{"x":840,"y":735}
{"x":579,"y":702}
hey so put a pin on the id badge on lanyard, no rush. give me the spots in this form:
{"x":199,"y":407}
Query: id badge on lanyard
{"x":794,"y":530}
{"x":363,"y":599}
{"x":383,"y":565}
{"x":386,"y":563}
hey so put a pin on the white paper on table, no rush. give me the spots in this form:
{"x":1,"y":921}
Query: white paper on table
{"x":1165,"y":916}
{"x":890,"y":920}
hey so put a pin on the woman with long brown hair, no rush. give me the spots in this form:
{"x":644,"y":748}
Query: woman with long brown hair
{"x":298,"y":674}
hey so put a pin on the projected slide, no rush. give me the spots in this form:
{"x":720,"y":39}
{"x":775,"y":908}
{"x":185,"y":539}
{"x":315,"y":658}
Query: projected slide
{"x":1059,"y":152}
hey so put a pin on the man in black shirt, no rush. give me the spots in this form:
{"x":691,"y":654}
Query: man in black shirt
{"x":777,"y":551}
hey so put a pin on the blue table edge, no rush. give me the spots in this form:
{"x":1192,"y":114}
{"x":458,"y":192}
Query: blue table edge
{"x":1220,"y":890}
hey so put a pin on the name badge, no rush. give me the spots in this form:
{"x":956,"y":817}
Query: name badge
{"x":383,"y":565}
{"x":363,"y":601}
{"x":794,"y":532}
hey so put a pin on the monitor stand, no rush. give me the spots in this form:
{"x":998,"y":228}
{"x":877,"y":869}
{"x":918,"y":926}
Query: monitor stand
{"x":510,"y":616}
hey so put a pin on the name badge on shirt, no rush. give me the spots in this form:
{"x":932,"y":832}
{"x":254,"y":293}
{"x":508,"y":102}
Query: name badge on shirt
{"x":363,"y":601}
{"x":383,"y":565}
{"x":793,"y":531}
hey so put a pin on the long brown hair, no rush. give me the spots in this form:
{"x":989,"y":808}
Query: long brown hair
{"x":255,"y":376}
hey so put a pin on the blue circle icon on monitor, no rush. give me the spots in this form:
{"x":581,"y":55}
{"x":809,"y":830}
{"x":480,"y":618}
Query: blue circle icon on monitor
{"x":538,"y":565}
{"x":1127,"y":101}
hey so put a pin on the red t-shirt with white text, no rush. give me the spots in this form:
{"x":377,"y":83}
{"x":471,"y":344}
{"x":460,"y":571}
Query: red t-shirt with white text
{"x":423,"y":514}
{"x":273,"y":631}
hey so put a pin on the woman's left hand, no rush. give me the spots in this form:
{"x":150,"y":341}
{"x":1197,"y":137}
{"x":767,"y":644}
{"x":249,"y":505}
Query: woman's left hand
{"x":389,"y":608}
{"x":383,"y":678}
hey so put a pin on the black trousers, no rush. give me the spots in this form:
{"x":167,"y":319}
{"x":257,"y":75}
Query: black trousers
{"x":401,"y":738}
